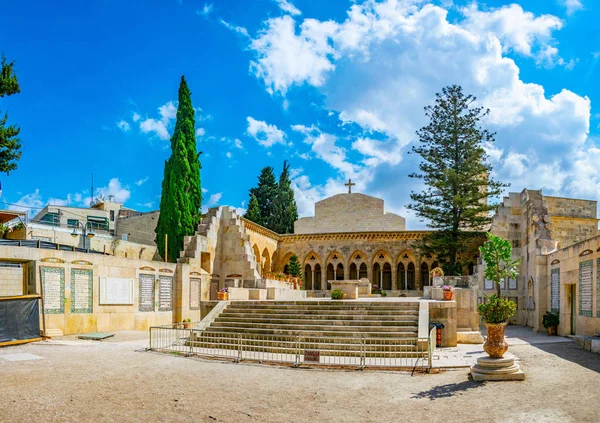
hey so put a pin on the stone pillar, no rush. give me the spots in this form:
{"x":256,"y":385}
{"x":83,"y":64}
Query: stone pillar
{"x":346,"y":272}
{"x":405,"y":278}
{"x":312,"y":269}
{"x":394,"y":277}
{"x":418,"y":278}
{"x":370,"y":274}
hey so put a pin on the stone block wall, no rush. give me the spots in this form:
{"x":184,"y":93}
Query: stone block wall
{"x":140,"y":228}
{"x":11,"y":281}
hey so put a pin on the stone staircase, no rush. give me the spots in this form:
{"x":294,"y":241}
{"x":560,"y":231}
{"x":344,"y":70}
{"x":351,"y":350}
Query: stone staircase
{"x":378,"y":328}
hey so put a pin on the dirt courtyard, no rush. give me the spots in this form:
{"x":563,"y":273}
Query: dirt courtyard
{"x":116,"y":381}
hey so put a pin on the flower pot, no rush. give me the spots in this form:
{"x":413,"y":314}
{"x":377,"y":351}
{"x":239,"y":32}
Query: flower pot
{"x":447,"y":295}
{"x":495,"y":345}
{"x":223,"y":296}
{"x":187,"y":325}
{"x":551,"y":330}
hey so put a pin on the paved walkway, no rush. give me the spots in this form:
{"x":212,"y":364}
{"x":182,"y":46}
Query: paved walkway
{"x":465,"y":355}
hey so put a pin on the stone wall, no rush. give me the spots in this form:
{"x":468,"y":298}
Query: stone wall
{"x":139,"y":228}
{"x":564,"y":268}
{"x":349,"y":213}
{"x":11,"y":280}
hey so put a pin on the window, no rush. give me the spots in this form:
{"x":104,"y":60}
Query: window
{"x":112,"y":215}
{"x":98,"y":223}
{"x":51,"y":219}
{"x":72,"y":223}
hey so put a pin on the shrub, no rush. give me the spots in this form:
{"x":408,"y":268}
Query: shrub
{"x":384,"y":294}
{"x":496,"y":309}
{"x":550,"y":319}
{"x":337,"y":294}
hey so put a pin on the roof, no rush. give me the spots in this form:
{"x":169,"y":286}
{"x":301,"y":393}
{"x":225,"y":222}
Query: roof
{"x":8,"y":215}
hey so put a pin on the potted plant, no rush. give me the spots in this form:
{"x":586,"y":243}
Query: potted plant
{"x":337,"y":294}
{"x":447,"y":290}
{"x":495,"y":312}
{"x":437,"y":272}
{"x":499,"y":266}
{"x":223,"y":294}
{"x":187,"y":323}
{"x":550,"y":321}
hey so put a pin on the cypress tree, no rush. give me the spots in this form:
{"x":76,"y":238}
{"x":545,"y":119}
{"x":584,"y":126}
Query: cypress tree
{"x":285,"y":209}
{"x":456,"y":175}
{"x":181,"y":198}
{"x":265,"y":193}
{"x":10,"y":144}
{"x":253,"y":212}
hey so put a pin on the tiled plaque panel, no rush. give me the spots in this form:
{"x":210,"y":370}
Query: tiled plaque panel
{"x":165,"y":293}
{"x":585,"y":287}
{"x":81,"y":290}
{"x":195,"y":284}
{"x":53,"y":283}
{"x":555,"y":290}
{"x":146,"y":292}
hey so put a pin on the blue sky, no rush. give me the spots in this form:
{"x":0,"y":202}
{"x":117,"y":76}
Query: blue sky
{"x":337,"y":88}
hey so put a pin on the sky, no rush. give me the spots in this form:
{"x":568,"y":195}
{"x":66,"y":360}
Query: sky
{"x":337,"y":88}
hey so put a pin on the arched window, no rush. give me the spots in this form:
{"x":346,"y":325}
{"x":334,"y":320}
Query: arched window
{"x":410,"y":276}
{"x":318,"y":276}
{"x":362,"y":272}
{"x":308,"y":282}
{"x":339,"y":272}
{"x":376,"y":276}
{"x":353,"y":272}
{"x":424,"y":274}
{"x":401,"y":276}
{"x":386,"y":277}
{"x":330,"y":272}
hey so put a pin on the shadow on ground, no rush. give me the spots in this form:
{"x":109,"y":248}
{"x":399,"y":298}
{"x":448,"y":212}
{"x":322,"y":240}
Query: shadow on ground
{"x":446,"y":391}
{"x":571,"y":352}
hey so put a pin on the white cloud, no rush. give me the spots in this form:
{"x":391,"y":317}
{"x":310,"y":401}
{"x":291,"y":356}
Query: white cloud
{"x":237,"y":29}
{"x":136,"y":117}
{"x":200,"y":132}
{"x":206,"y":10}
{"x":265,"y":134}
{"x":159,"y":127}
{"x":384,"y":62}
{"x":204,"y":190}
{"x":214,"y":199}
{"x":228,"y":155}
{"x":121,"y":193}
{"x":31,"y":203}
{"x":288,"y":7}
{"x":238,"y":143}
{"x":142,"y":181}
{"x":572,"y":6}
{"x":123,"y":126}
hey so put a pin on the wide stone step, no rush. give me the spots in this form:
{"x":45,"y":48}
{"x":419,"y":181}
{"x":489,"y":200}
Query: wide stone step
{"x":374,"y":312}
{"x":326,"y":332}
{"x":316,"y":305}
{"x":319,"y":320}
{"x":376,"y":326}
{"x":326,"y":316}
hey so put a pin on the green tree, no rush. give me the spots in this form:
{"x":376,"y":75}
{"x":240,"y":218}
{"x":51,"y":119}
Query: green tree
{"x":294,"y":268}
{"x":499,"y":265}
{"x":10,"y":144}
{"x":284,"y":207}
{"x":181,"y":198}
{"x":253,"y":212}
{"x":456,"y":177}
{"x":265,"y":193}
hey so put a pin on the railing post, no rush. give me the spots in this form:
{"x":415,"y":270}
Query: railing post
{"x":362,"y":353}
{"x":297,"y":362}
{"x":191,"y":341}
{"x":150,"y":346}
{"x":239,"y":356}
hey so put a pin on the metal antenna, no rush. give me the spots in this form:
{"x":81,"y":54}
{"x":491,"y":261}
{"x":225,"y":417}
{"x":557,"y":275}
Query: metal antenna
{"x":92,"y":192}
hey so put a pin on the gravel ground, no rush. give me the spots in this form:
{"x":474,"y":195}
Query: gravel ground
{"x":115,"y":380}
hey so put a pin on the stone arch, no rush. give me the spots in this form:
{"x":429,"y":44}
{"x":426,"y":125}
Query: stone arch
{"x":406,"y":270}
{"x":335,"y":267}
{"x":265,"y":261}
{"x":312,"y":259}
{"x":285,"y":261}
{"x":405,"y":257}
{"x":382,"y":269}
{"x":257,"y":258}
{"x":358,"y":260}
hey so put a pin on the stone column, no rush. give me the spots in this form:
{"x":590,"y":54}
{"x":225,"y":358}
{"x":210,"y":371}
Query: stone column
{"x":370,"y":274}
{"x":346,"y":272}
{"x":405,"y":278}
{"x":394,"y":277}
{"x":417,"y":277}
{"x":312,"y":270}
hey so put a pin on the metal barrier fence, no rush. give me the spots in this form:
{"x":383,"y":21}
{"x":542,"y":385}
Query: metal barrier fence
{"x":348,"y":351}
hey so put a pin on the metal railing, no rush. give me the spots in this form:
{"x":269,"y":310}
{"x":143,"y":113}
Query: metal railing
{"x":297,"y":350}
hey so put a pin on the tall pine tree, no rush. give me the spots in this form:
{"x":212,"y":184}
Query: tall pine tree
{"x":253,"y":212}
{"x":285,"y":209}
{"x":456,"y":175}
{"x":265,"y":193}
{"x":181,"y":198}
{"x":10,"y":144}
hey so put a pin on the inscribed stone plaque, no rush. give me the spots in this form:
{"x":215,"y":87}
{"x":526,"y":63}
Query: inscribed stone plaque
{"x":195,"y":284}
{"x":81,"y":290}
{"x":116,"y":291}
{"x":53,"y":283}
{"x":165,"y":293}
{"x":585,"y":288}
{"x":488,"y":284}
{"x":555,"y":290}
{"x":146,"y":292}
{"x":512,"y":284}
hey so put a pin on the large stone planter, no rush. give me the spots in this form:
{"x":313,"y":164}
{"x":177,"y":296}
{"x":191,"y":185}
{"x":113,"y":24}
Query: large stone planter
{"x":495,"y":345}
